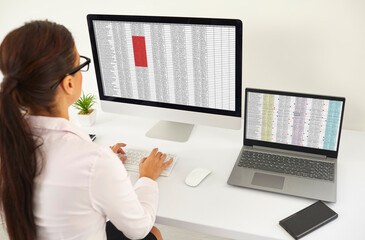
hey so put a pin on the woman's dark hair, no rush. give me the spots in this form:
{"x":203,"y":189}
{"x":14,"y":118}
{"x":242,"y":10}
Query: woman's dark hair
{"x":32,"y":58}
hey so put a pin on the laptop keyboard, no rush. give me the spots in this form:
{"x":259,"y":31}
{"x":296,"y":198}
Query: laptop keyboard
{"x":288,"y":165}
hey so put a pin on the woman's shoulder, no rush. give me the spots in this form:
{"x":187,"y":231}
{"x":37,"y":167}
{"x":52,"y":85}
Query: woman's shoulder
{"x":83,"y":145}
{"x":70,"y":155}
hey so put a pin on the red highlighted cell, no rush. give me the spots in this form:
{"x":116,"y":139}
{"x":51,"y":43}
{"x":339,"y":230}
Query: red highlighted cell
{"x":139,"y":50}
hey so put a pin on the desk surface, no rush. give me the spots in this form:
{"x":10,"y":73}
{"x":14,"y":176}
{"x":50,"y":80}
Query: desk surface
{"x":216,"y":208}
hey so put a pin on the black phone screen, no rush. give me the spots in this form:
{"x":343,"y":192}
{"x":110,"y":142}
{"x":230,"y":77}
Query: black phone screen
{"x":310,"y":218}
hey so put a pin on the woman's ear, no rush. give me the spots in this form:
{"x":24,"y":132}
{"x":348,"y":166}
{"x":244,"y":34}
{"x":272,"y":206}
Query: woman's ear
{"x":68,"y":85}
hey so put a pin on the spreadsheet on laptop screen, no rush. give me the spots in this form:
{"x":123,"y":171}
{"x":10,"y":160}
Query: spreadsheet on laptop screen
{"x":186,"y":64}
{"x":299,"y":121}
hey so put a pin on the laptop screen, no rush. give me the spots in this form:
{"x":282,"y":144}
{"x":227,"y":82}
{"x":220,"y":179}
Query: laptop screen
{"x":293,"y":119}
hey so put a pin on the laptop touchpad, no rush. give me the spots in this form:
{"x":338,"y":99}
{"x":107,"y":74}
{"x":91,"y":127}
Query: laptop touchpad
{"x":267,"y":180}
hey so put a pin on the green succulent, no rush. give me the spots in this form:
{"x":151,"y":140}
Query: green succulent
{"x":84,"y":103}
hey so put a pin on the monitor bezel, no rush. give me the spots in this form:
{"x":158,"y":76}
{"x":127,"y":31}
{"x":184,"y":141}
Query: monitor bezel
{"x":328,"y":153}
{"x":178,"y":20}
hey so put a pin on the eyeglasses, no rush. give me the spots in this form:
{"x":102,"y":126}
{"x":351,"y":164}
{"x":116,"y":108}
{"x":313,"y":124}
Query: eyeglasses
{"x":84,"y":67}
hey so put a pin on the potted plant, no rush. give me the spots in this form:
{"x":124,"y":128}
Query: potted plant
{"x":86,"y":115}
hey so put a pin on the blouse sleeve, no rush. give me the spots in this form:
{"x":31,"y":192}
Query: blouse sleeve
{"x":131,"y":209}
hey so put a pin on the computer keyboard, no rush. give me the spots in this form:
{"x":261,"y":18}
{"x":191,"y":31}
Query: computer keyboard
{"x":134,"y":157}
{"x":288,"y":165}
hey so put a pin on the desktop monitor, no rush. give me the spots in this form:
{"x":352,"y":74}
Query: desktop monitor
{"x":183,"y":71}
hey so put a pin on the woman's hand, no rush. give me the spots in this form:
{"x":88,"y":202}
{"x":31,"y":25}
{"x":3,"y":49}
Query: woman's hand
{"x":117,"y":148}
{"x":153,"y":165}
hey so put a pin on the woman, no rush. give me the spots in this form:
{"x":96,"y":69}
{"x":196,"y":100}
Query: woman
{"x":54,"y":182}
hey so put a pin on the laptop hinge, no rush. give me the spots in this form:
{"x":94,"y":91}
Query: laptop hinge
{"x":288,"y":152}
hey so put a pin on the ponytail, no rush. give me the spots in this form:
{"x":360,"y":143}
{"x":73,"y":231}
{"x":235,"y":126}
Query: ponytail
{"x":18,"y":166}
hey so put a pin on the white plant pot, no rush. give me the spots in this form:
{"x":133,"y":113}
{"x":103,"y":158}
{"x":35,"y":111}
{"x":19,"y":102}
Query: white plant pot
{"x":87,"y":119}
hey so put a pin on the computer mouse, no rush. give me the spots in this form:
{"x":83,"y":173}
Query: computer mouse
{"x":196,"y":176}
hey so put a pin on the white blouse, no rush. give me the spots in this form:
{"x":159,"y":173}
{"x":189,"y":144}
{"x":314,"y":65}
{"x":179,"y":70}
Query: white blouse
{"x":83,"y":183}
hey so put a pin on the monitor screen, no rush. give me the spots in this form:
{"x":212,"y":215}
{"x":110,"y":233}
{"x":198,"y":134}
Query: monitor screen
{"x":294,"y":119}
{"x":192,"y":64}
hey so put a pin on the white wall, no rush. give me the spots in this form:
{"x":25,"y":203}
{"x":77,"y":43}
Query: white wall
{"x":313,"y":46}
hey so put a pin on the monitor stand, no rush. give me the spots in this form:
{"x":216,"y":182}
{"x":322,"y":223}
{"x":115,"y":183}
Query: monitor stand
{"x":172,"y":131}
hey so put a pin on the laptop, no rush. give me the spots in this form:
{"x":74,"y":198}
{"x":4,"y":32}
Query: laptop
{"x":290,"y":144}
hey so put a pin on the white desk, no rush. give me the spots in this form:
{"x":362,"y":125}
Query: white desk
{"x":216,"y":208}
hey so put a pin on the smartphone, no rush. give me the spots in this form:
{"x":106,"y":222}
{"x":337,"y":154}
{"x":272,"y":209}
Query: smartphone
{"x":92,"y":136}
{"x":308,"y":219}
